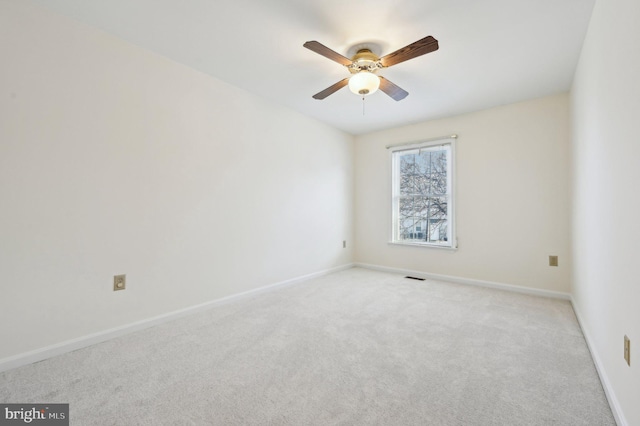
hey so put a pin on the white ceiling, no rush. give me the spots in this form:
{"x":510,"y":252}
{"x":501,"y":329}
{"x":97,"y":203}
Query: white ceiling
{"x":492,"y":52}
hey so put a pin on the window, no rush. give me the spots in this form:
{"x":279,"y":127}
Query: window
{"x":423,"y":194}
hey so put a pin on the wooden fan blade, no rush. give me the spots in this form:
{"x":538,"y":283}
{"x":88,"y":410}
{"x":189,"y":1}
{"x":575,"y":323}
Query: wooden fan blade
{"x":392,"y":90}
{"x":418,"y":48}
{"x":323,"y":50}
{"x":331,"y":89}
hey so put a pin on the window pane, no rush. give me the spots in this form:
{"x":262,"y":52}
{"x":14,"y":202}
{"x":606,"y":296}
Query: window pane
{"x":438,"y":214}
{"x":405,"y":217}
{"x":408,"y":174}
{"x":437,"y":173}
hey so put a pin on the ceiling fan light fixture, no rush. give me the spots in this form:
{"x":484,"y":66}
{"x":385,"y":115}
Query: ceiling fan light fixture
{"x":364,"y":83}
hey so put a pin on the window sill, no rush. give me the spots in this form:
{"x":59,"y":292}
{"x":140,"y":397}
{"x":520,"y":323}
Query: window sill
{"x":429,"y":246}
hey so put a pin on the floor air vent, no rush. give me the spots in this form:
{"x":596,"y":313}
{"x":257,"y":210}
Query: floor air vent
{"x":415,"y":278}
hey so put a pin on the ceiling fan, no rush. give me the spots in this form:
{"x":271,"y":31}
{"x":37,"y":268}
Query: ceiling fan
{"x":364,"y":65}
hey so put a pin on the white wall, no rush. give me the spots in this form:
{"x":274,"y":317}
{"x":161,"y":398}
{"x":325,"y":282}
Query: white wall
{"x":512,"y":196}
{"x":606,"y":203}
{"x":116,"y":161}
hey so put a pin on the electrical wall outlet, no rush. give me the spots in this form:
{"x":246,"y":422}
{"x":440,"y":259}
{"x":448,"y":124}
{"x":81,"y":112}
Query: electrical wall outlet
{"x":119,"y":282}
{"x":344,"y":243}
{"x":627,"y":350}
{"x":553,"y":260}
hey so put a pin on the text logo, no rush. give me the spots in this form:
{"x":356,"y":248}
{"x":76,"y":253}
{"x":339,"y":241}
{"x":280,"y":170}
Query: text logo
{"x":34,"y":414}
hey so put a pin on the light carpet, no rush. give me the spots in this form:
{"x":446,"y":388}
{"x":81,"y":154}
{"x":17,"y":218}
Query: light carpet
{"x":357,"y":347}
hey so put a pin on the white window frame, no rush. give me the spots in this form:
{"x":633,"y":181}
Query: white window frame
{"x":452,"y":240}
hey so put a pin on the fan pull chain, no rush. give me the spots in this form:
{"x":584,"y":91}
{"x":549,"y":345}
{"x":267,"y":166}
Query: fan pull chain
{"x":363,"y":105}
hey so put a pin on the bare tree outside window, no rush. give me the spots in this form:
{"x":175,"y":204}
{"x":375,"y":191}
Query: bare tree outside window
{"x":422,"y":194}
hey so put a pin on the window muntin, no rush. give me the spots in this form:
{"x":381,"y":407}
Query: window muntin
{"x":423,"y":194}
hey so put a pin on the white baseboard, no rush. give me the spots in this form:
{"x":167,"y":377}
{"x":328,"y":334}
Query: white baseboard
{"x":470,"y":281}
{"x":604,"y":379}
{"x":102,"y":336}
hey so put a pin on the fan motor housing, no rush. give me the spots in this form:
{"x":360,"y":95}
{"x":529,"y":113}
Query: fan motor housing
{"x":365,"y":59}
